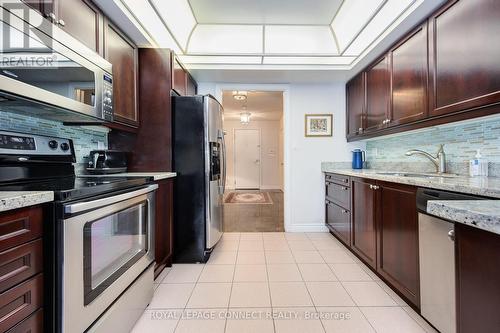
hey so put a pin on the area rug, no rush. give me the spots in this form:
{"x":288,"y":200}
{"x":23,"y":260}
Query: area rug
{"x":253,"y":198}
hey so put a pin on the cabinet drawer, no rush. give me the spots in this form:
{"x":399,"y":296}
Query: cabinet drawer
{"x":20,"y":226}
{"x":32,"y":324}
{"x":20,"y":263}
{"x":339,"y":194}
{"x":19,"y":302}
{"x":338,"y":179}
{"x":338,"y":220}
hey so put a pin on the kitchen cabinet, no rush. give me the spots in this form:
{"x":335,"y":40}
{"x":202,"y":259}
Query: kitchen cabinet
{"x":191,"y":85}
{"x":477,"y":255}
{"x":409,"y":74}
{"x":465,"y":74}
{"x":355,"y":90}
{"x":122,"y":54}
{"x":164,"y":225}
{"x":179,"y":78}
{"x":45,"y":7}
{"x":338,"y":206}
{"x":377,"y":95}
{"x":364,"y":212}
{"x":397,"y":242}
{"x":86,"y":26}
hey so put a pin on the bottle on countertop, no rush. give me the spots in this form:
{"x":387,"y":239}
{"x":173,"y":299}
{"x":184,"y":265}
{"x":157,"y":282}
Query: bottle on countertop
{"x":478,"y":167}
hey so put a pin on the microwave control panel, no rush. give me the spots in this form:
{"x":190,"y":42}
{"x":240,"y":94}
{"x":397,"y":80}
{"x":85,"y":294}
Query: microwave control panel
{"x":107,"y":97}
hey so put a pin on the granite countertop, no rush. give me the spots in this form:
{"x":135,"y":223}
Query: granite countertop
{"x":13,"y":200}
{"x":481,"y":186}
{"x":482,"y":214}
{"x":154,"y":175}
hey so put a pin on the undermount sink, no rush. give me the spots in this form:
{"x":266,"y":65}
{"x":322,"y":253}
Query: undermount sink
{"x":418,"y":175}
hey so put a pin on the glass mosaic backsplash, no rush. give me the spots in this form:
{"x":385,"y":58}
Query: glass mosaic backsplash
{"x":84,"y":139}
{"x":461,"y":141}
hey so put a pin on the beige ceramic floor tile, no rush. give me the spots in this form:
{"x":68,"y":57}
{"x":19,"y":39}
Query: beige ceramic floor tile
{"x":183,"y":273}
{"x":210,"y":295}
{"x":217,"y":273}
{"x":368,"y":294}
{"x":202,"y":321}
{"x":171,"y":295}
{"x":227,"y":245}
{"x":250,"y":258}
{"x":329,"y":294}
{"x":296,"y":236}
{"x":251,"y":245}
{"x":250,"y":294}
{"x":289,"y":294}
{"x":251,"y":236}
{"x":283,"y":272}
{"x":421,"y":321}
{"x":319,"y":235}
{"x":279,"y":257}
{"x":250,"y":273}
{"x":344,"y":319}
{"x":326,"y":244}
{"x":162,"y":275}
{"x":276,"y":245}
{"x":391,"y":293}
{"x":163,"y":321}
{"x":350,"y":272}
{"x":231,"y":236}
{"x":222,"y":258}
{"x":336,"y":257}
{"x":250,"y":320}
{"x":391,"y":320}
{"x":316,"y":272}
{"x":308,"y":257}
{"x":297,"y":320}
{"x":301,"y":245}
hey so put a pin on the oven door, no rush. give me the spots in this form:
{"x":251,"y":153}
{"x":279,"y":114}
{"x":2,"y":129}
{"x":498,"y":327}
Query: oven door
{"x":108,"y":243}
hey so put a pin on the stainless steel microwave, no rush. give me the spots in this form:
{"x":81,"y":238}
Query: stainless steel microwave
{"x":45,"y":72}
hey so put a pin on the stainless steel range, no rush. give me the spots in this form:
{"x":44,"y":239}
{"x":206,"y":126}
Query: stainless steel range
{"x":99,"y":239}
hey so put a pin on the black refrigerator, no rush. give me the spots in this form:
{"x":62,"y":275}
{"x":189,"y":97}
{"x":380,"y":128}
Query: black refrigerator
{"x":199,"y":158}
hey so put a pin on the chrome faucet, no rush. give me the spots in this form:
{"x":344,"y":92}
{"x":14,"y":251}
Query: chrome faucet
{"x":439,"y":160}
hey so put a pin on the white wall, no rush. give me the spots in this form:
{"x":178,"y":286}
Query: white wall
{"x":304,"y":182}
{"x":269,"y":151}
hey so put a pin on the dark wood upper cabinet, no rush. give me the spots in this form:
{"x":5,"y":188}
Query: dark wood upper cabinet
{"x":398,"y":239}
{"x":179,"y":78}
{"x":377,"y":94}
{"x":122,"y":54}
{"x":191,"y":86}
{"x":477,"y":268}
{"x":364,"y":209}
{"x":355,"y":91}
{"x":409,"y":73}
{"x":45,"y":7}
{"x":464,"y":56}
{"x":82,"y":20}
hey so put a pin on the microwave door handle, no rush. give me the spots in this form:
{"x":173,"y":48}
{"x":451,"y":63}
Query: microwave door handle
{"x":83,"y":206}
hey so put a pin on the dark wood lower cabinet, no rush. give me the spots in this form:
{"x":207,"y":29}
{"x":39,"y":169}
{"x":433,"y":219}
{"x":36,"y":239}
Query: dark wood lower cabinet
{"x":478,"y":276}
{"x":364,"y":212}
{"x":397,"y":243}
{"x":164,"y":225}
{"x":32,"y":324}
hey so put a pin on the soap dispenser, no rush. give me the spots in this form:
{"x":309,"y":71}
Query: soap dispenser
{"x":478,"y":166}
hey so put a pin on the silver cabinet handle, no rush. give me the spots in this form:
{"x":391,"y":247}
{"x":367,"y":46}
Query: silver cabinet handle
{"x":345,"y":188}
{"x":451,"y":235}
{"x":52,"y":16}
{"x":61,"y":22}
{"x":374,"y":187}
{"x":344,"y":211}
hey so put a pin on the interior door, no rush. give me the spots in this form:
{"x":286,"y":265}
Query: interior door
{"x":247,"y":158}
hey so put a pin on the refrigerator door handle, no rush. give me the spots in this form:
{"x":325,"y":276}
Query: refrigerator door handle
{"x":223,"y":143}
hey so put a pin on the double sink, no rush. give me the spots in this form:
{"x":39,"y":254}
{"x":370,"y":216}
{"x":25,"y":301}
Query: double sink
{"x":417,"y":175}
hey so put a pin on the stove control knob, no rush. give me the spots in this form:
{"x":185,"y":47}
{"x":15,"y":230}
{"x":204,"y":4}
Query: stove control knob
{"x":64,"y":146}
{"x":53,"y":144}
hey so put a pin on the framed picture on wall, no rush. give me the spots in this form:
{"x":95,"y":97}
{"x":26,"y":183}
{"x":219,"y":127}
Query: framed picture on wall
{"x":318,"y":125}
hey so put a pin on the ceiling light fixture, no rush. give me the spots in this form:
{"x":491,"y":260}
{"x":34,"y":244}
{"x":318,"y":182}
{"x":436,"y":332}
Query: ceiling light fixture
{"x":240,"y":95}
{"x":245,"y":118}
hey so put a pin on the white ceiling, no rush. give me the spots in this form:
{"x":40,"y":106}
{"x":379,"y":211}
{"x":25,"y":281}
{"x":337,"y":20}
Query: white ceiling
{"x":263,"y":105}
{"x":265,"y":11}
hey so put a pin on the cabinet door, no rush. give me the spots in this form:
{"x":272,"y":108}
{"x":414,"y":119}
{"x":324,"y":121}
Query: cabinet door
{"x":355,"y":90}
{"x":398,"y":239}
{"x":338,"y":220}
{"x":478,"y":270}
{"x":164,"y":225}
{"x":464,"y":56}
{"x":192,"y":86}
{"x":409,"y":78}
{"x":363,"y":212}
{"x":86,"y":26}
{"x":122,"y":54}
{"x":179,"y":78}
{"x":377,"y":94}
{"x":45,"y":7}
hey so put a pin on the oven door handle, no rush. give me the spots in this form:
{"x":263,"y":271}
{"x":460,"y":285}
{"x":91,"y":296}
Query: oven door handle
{"x":83,"y":206}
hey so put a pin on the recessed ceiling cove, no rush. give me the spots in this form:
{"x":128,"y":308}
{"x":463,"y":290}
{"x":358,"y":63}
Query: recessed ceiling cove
{"x":259,"y":34}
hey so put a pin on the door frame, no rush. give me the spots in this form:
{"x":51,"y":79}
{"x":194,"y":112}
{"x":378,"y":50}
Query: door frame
{"x":260,"y":153}
{"x":287,"y":140}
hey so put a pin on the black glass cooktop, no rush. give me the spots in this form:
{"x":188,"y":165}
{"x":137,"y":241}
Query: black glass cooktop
{"x":69,"y":188}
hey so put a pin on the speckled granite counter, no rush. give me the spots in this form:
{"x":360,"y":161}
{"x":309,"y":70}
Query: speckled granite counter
{"x":13,"y":200}
{"x":488,"y":187}
{"x":482,"y":214}
{"x":154,"y":175}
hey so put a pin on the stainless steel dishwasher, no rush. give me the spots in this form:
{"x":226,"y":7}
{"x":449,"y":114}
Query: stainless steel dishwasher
{"x":437,"y":261}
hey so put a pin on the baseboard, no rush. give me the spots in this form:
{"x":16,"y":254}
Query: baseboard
{"x":306,"y":228}
{"x":270,"y":187}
